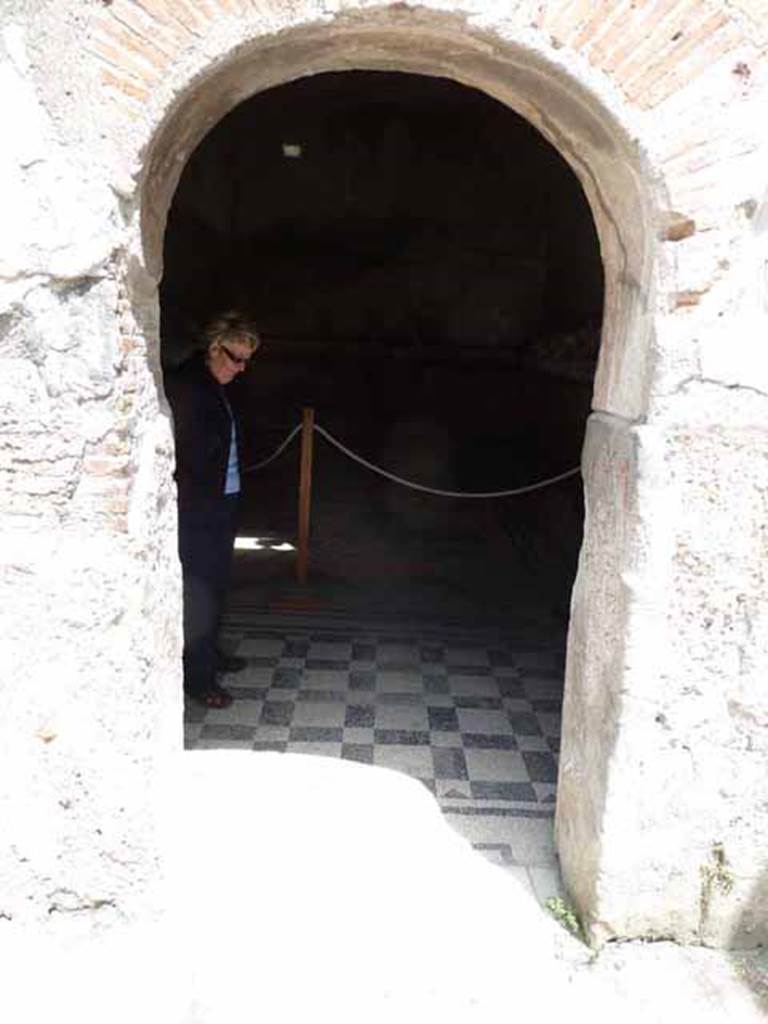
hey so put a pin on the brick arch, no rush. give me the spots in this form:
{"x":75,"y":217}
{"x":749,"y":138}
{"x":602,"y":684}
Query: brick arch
{"x":601,"y":88}
{"x":600,"y":82}
{"x":609,"y":165}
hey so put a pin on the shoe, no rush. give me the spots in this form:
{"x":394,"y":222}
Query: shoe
{"x":215,"y":697}
{"x":230,"y":662}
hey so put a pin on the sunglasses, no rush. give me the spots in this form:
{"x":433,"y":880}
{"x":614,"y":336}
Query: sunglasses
{"x":237,"y":360}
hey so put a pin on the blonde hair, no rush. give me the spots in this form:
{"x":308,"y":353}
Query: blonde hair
{"x":233,"y":327}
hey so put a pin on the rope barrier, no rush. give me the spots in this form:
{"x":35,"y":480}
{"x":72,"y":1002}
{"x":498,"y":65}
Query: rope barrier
{"x":278,"y":451}
{"x":434,"y":490}
{"x":410,"y":483}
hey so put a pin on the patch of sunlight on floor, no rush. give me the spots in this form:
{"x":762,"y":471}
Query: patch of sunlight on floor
{"x":261,"y":544}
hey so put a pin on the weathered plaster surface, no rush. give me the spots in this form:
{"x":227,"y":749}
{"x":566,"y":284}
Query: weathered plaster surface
{"x":397,"y":836}
{"x":660,"y":110}
{"x":664,"y":716}
{"x":90,"y":679}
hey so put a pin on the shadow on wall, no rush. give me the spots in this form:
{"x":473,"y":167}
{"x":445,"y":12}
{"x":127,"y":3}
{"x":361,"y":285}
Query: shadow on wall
{"x":752,"y":926}
{"x":761,"y":230}
{"x":750,"y":931}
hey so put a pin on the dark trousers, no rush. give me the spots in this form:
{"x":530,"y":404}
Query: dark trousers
{"x":206,"y":537}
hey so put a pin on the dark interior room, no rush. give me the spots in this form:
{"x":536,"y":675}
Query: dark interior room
{"x":425,"y":274}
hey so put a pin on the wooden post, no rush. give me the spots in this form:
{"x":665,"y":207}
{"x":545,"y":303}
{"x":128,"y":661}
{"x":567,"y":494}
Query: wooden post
{"x":305,"y":492}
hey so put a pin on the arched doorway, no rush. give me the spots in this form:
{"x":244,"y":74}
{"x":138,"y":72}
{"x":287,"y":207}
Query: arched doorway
{"x":426,"y":274}
{"x":610,"y":170}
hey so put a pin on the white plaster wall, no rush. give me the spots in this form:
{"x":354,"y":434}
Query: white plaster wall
{"x":661,"y":811}
{"x":663,"y":751}
{"x":89,"y":596}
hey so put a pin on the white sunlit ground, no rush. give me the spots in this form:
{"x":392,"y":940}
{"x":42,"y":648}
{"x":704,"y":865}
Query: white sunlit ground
{"x":313,"y":888}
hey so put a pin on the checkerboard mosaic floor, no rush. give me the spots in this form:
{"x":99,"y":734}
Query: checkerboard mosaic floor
{"x":475,"y":716}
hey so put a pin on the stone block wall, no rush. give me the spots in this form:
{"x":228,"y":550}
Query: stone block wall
{"x":659,"y":108}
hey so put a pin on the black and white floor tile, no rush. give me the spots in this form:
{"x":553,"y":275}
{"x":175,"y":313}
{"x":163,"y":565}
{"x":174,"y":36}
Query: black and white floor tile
{"x":475,"y":717}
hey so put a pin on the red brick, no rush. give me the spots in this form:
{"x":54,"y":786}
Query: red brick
{"x":124,"y":85}
{"x":682,"y":300}
{"x":563,"y":18}
{"x":650,"y":31}
{"x":164,"y":15}
{"x":143,"y":26}
{"x":706,"y":55}
{"x":115,"y":57}
{"x":593,"y":26}
{"x":135,"y":46}
{"x":665,"y":47}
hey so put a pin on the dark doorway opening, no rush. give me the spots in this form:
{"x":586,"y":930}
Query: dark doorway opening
{"x":426,"y":274}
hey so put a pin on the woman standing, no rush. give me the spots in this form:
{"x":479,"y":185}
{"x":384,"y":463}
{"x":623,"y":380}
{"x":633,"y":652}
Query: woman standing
{"x":208,"y":482}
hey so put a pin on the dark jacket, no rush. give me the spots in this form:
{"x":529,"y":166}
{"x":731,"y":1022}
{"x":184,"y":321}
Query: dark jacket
{"x":203,"y":432}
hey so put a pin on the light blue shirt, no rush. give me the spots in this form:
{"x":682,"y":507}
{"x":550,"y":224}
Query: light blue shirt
{"x":232,"y":485}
